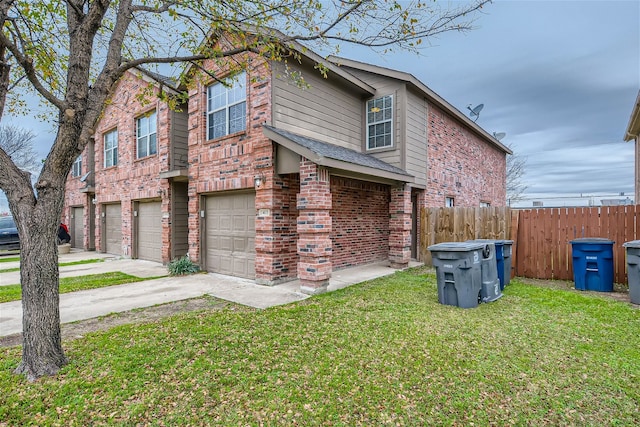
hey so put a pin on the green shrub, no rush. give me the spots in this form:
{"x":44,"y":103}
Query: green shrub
{"x":182,"y":266}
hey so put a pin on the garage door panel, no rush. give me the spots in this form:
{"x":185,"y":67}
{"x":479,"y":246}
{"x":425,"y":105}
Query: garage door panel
{"x":77,"y":238}
{"x":113,"y":229}
{"x":224,"y":224}
{"x":230,"y":234}
{"x":225,"y":243}
{"x":149,"y":234}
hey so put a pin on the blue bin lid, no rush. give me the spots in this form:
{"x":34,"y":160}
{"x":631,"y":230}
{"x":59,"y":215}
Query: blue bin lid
{"x":635,"y":244}
{"x":456,"y":247}
{"x":593,"y":241}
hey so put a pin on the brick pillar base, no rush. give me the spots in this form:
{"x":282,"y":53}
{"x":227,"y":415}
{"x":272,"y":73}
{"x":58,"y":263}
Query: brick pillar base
{"x":400,"y":227}
{"x":314,"y":228}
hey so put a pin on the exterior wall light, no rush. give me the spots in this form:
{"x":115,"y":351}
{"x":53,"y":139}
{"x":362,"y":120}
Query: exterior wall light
{"x":258,"y":180}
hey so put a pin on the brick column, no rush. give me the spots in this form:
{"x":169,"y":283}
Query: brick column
{"x":400,"y":227}
{"x":275,"y":231}
{"x":314,"y":228}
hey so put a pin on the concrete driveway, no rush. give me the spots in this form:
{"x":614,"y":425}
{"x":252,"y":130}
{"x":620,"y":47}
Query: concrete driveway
{"x":92,"y":303}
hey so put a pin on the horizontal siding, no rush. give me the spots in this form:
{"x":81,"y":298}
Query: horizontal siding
{"x":180,"y":151}
{"x":180,"y":232}
{"x":416,"y":144}
{"x":323,"y":110}
{"x":387,"y":86}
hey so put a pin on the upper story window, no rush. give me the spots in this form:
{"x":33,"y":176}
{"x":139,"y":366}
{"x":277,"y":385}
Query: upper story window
{"x":76,"y":169}
{"x":146,"y":135}
{"x":111,"y":148}
{"x":379,"y":122}
{"x":449,"y":202}
{"x":226,"y":107}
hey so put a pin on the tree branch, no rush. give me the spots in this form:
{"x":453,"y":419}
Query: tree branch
{"x":26,"y":63}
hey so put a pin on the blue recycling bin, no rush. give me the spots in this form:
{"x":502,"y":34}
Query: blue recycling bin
{"x":593,"y":264}
{"x":507,"y":251}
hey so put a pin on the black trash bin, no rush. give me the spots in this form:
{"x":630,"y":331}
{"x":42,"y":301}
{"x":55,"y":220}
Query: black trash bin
{"x":593,"y":263}
{"x":633,"y":270}
{"x":459,"y":272}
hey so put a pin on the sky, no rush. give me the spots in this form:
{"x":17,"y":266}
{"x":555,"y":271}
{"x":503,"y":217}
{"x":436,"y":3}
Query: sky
{"x":560,"y":78}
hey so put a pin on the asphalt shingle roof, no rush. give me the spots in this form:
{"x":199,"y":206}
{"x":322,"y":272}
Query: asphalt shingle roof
{"x":336,"y":152}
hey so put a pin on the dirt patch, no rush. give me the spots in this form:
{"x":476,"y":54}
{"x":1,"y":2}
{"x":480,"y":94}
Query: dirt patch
{"x":75,"y":330}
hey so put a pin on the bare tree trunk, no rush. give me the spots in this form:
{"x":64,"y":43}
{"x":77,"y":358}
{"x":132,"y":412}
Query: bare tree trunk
{"x":42,"y":352}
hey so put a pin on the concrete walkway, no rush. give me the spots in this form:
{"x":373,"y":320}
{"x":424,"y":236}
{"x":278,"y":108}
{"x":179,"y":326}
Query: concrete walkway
{"x":92,"y":303}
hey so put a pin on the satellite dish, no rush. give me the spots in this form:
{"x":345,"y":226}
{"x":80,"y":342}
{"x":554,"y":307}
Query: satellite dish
{"x":475,"y":111}
{"x":85,"y":176}
{"x":499,"y":135}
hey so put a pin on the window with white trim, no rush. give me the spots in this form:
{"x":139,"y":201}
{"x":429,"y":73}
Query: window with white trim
{"x":226,"y":107}
{"x":380,"y":122}
{"x":76,"y":169}
{"x":449,"y":202}
{"x":485,"y":204}
{"x":147,"y":144}
{"x":111,"y":148}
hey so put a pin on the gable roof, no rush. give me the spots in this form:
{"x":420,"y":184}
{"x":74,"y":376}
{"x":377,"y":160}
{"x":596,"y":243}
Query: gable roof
{"x":156,"y":78}
{"x":424,"y":89}
{"x":633,"y":128}
{"x":303,"y":51}
{"x":334,"y":156}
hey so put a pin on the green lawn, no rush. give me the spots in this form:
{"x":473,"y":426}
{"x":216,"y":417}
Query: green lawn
{"x":73,"y":284}
{"x":9,"y":259}
{"x":62,"y":264}
{"x":381,"y":353}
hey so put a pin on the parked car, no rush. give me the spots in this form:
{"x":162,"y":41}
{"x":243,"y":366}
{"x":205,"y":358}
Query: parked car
{"x":9,"y":239}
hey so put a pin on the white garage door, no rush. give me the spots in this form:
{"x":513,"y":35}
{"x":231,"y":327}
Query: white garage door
{"x":113,"y":229}
{"x":230,"y":234}
{"x":150,"y":231}
{"x":77,"y":228}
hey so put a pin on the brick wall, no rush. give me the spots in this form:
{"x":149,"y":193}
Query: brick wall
{"x":231,"y":162}
{"x":133,"y":179}
{"x":276,"y":235}
{"x":360,"y":213}
{"x":461,"y":165}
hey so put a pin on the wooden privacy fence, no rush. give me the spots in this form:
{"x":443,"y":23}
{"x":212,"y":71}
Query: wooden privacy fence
{"x":439,"y":225}
{"x":541,"y":237}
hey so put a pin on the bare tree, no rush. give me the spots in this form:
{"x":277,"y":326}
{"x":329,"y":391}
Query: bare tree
{"x":18,"y":144}
{"x":71,"y":53}
{"x":516,"y":167}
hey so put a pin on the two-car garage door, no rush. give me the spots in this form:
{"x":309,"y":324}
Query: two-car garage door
{"x":230,"y":234}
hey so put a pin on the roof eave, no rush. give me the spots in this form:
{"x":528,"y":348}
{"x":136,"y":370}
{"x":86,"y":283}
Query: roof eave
{"x":633,"y":128}
{"x":334,"y":163}
{"x":149,"y":78}
{"x":310,"y":55}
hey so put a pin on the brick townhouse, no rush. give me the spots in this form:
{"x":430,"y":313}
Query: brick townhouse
{"x":288,"y":180}
{"x":127,"y":193}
